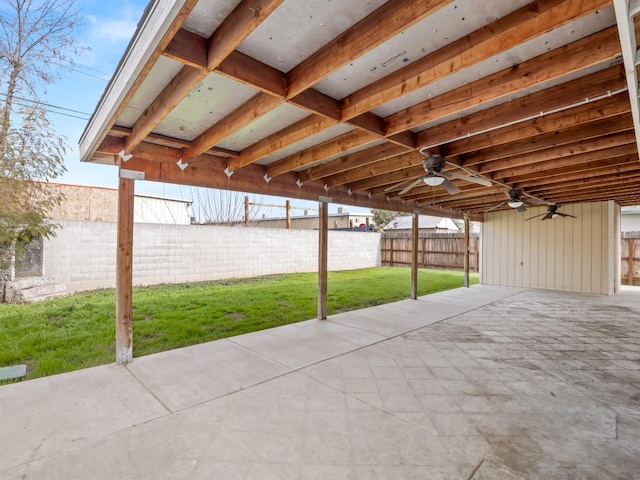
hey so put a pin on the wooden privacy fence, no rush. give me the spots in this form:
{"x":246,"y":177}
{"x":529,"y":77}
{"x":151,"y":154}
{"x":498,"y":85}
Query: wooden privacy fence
{"x":630,"y":261}
{"x":441,"y":250}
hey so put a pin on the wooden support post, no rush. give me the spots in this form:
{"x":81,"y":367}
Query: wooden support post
{"x":466,"y":250}
{"x":288,"y":206}
{"x":414,"y":256}
{"x":124,"y":272}
{"x":323,"y":260}
{"x":246,"y":211}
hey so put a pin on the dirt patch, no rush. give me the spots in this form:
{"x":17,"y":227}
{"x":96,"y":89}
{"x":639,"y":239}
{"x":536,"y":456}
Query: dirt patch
{"x":235,"y":316}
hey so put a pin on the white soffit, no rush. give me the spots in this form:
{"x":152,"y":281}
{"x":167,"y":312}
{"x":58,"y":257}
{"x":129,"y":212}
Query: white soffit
{"x":213,"y":99}
{"x":567,"y":34}
{"x":207,"y":15}
{"x":272,"y":122}
{"x":297,"y":29}
{"x":159,"y":77}
{"x":308,"y":142}
{"x":443,"y":27}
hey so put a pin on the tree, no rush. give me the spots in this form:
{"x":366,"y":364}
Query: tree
{"x":382,"y":217}
{"x":221,"y":207}
{"x":36,"y":40}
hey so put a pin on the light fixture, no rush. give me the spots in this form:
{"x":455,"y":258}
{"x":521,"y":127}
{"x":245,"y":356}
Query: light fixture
{"x":433,"y":180}
{"x":515,"y":203}
{"x":554,"y":215}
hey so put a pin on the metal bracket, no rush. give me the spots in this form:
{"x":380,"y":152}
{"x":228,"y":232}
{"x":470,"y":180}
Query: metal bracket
{"x":125,"y":157}
{"x":267,"y":178}
{"x":299,"y":183}
{"x":228,"y":172}
{"x":182,"y":165}
{"x":131,"y":174}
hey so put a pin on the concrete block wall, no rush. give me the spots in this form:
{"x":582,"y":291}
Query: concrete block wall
{"x":82,"y":255}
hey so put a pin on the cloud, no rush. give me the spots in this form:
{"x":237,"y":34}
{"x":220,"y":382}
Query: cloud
{"x":107,"y":32}
{"x":113,"y":30}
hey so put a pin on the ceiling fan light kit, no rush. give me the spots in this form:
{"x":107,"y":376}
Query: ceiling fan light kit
{"x":433,"y":181}
{"x":515,"y":203}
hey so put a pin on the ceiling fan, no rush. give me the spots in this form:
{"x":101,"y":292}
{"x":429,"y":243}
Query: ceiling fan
{"x":552,"y":212}
{"x":515,"y":200}
{"x":433,"y":165}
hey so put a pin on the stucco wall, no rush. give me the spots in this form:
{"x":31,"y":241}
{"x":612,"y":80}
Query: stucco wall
{"x":570,"y":254}
{"x":82,"y":255}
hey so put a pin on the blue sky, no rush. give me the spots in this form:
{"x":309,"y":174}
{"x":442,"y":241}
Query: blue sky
{"x":108,"y":27}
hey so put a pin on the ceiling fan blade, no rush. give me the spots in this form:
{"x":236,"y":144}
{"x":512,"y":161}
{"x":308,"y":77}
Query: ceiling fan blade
{"x":565,"y":215}
{"x":410,"y":186}
{"x":547,"y":216}
{"x":493,"y":207}
{"x":450,"y":187}
{"x":535,"y":216}
{"x":521,"y":208}
{"x":396,"y":186}
{"x":467,"y":178}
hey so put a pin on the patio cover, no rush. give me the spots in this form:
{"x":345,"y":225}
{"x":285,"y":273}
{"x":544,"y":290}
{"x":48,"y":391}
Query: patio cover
{"x":336,"y":98}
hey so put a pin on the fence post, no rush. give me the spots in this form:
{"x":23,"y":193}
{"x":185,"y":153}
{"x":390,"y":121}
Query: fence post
{"x":246,"y":211}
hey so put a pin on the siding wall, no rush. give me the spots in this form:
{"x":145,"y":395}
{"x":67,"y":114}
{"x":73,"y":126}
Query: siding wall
{"x":82,"y":256}
{"x":569,"y":254}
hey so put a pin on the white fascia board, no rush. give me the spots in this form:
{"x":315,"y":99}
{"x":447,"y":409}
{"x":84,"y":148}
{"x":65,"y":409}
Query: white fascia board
{"x":155,"y":23}
{"x":626,"y":31}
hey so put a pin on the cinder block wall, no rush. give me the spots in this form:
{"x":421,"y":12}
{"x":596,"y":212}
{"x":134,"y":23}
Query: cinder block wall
{"x":82,"y":255}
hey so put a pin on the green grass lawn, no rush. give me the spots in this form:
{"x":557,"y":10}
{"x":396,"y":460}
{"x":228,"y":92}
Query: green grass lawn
{"x":78,"y":331}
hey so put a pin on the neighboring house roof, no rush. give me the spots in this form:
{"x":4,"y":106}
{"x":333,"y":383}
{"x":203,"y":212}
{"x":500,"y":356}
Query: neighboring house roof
{"x":635,"y":210}
{"x":404,"y":222}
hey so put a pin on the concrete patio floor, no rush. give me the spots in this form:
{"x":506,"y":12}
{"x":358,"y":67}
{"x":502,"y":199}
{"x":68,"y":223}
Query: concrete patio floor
{"x":480,"y":383}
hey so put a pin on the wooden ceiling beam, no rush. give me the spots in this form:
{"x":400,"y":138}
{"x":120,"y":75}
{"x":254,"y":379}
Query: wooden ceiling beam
{"x":627,"y":183}
{"x":584,"y":168}
{"x":251,"y":110}
{"x":244,"y":19}
{"x":584,"y":114}
{"x":528,"y":22}
{"x":602,"y":181}
{"x":467,"y":192}
{"x":581,"y":133}
{"x":542,"y":168}
{"x":592,"y":50}
{"x":298,"y":131}
{"x":612,"y":194}
{"x":381,"y":167}
{"x":554,"y":153}
{"x":386,"y":22}
{"x":351,"y":162}
{"x":233,"y":30}
{"x":340,"y":144}
{"x":515,"y":110}
{"x":388,"y":179}
{"x":574,"y":181}
{"x":171,"y":142}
